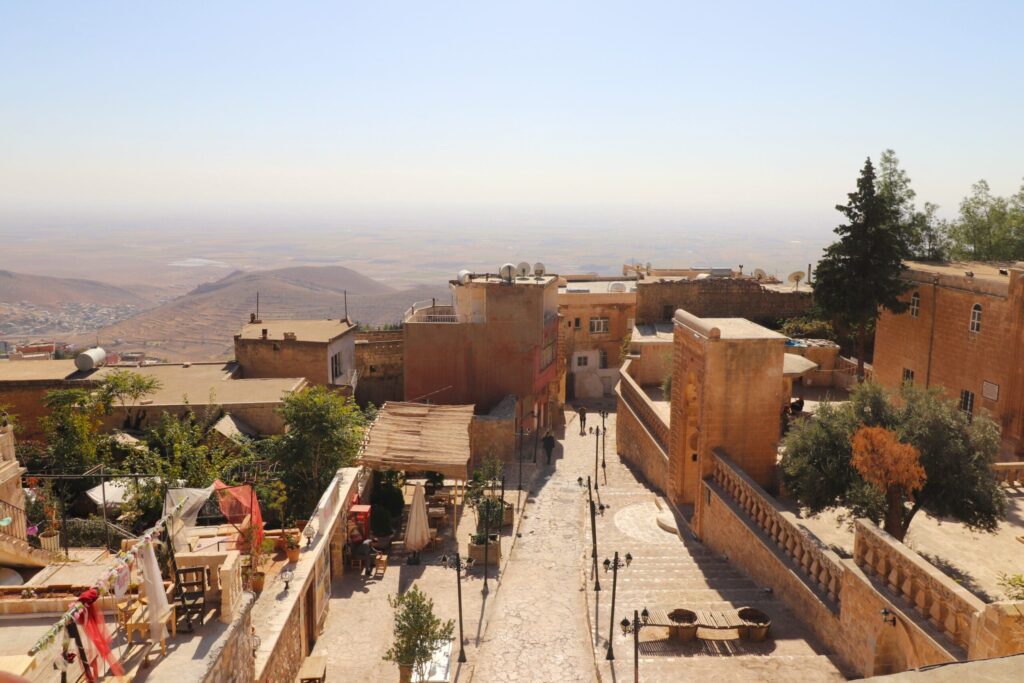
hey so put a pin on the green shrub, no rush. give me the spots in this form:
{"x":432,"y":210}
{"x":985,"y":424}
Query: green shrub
{"x":381,"y":522}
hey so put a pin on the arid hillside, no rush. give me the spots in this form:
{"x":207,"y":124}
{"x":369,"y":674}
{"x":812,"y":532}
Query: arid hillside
{"x":42,"y":290}
{"x":200,"y":325}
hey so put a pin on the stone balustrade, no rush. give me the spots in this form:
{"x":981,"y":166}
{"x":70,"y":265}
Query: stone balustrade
{"x":230,"y":578}
{"x":1009,"y":473}
{"x":922,"y":587}
{"x":818,"y":564}
{"x":638,"y":400}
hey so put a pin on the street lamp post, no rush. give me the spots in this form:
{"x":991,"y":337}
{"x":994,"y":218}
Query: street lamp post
{"x":593,"y":530}
{"x":639,"y":621}
{"x":614,"y":566}
{"x":487,"y":539}
{"x":597,"y":447}
{"x":457,"y":564}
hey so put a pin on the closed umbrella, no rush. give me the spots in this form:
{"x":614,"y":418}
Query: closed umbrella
{"x":417,"y":531}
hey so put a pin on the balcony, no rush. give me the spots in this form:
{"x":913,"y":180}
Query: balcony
{"x":430,"y":312}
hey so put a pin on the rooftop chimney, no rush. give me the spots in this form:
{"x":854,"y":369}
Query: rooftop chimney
{"x":264,"y":333}
{"x":252,"y":317}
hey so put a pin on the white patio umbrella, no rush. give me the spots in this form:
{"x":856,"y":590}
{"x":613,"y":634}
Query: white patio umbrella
{"x":417,"y":531}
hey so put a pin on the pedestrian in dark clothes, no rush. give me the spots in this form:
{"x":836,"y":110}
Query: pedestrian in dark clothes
{"x":583,"y":420}
{"x":549,"y":444}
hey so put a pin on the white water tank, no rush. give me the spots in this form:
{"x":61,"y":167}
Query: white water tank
{"x":91,"y":359}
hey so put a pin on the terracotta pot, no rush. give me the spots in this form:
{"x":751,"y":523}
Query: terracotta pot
{"x":256,"y":580}
{"x":404,"y":673}
{"x":293,"y":554}
{"x":50,"y":540}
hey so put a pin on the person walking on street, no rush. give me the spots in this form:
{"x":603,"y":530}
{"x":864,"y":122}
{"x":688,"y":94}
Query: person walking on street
{"x":583,"y":420}
{"x":549,"y":444}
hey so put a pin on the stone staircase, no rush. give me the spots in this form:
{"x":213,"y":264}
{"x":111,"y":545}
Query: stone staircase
{"x":17,"y":552}
{"x":671,"y":569}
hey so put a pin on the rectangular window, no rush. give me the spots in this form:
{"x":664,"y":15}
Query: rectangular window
{"x":581,"y":361}
{"x":915,"y":305}
{"x":630,"y":323}
{"x":976,"y":318}
{"x":990,"y":391}
{"x":908,"y":375}
{"x":598,"y":325}
{"x":967,"y":402}
{"x":577,"y":324}
{"x":603,"y":359}
{"x":335,"y":366}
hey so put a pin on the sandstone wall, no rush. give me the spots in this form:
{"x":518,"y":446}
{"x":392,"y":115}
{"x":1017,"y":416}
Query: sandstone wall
{"x":494,"y":437}
{"x":718,"y":298}
{"x":380,"y":364}
{"x":638,"y":445}
{"x":232,"y":656}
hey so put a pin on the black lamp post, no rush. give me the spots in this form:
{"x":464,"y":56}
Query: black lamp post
{"x":457,"y":564}
{"x":593,"y":530}
{"x":487,"y":538}
{"x":597,"y":446}
{"x":522,"y":432}
{"x":639,"y":621}
{"x":614,"y":566}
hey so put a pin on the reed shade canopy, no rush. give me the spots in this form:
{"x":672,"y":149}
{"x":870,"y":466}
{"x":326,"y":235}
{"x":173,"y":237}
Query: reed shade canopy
{"x":419,"y":437}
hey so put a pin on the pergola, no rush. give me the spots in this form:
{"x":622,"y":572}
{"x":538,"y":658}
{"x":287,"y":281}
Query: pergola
{"x":420,"y":437}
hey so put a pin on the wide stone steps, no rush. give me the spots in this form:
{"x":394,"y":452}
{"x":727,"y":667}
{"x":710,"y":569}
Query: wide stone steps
{"x":756,"y":667}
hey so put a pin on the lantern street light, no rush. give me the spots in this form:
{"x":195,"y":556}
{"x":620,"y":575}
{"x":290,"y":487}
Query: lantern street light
{"x":639,"y":621}
{"x":287,"y":576}
{"x":614,"y":566}
{"x":457,"y":564}
{"x":309,"y":533}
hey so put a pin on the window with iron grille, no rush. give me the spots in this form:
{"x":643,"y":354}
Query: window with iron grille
{"x":908,"y":375}
{"x":967,"y":402}
{"x":976,"y":318}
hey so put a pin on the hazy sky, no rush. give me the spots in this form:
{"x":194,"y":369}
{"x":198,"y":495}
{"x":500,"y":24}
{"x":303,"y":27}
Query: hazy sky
{"x":751,"y":116}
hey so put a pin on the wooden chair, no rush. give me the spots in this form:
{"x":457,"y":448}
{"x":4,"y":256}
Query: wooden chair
{"x":380,"y":565}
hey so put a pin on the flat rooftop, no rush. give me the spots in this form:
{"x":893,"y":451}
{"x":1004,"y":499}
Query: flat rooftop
{"x":728,"y":328}
{"x":36,"y":370}
{"x":599,"y":287}
{"x":492,"y":279}
{"x":196,"y":381}
{"x":982,"y":270}
{"x":304,"y":330}
{"x":658,"y":333}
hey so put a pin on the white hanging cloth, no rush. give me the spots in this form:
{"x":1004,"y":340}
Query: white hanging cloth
{"x":155,"y":595}
{"x":180,"y":524}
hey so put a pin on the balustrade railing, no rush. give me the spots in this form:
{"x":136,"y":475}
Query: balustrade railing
{"x":922,"y":587}
{"x":1009,"y":473}
{"x":18,"y":528}
{"x":819,"y":564}
{"x":638,"y":400}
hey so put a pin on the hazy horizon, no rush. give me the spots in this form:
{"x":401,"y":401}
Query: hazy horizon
{"x":633,"y":127}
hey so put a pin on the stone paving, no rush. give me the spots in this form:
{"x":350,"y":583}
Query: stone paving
{"x":538,"y":631}
{"x":670,"y":571}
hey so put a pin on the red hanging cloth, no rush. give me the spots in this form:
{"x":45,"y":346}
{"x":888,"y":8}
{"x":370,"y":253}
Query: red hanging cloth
{"x":241,"y":508}
{"x":91,"y":619}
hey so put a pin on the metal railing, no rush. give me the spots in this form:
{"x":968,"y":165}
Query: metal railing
{"x":18,"y":528}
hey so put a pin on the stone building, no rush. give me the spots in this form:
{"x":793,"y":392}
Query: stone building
{"x":498,"y":337}
{"x":962,"y":331}
{"x":322,"y":351}
{"x":597,"y":317}
{"x":184,"y":386}
{"x":380,"y":364}
{"x":718,"y":294}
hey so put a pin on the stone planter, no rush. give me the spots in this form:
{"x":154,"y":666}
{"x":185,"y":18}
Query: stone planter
{"x":508,"y":514}
{"x":684,"y":625}
{"x":476,"y":551}
{"x":755,"y":624}
{"x":404,"y":673}
{"x":50,"y":540}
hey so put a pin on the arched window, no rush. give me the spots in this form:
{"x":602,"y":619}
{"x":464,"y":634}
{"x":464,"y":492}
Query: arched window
{"x":915,"y":304}
{"x":976,"y":318}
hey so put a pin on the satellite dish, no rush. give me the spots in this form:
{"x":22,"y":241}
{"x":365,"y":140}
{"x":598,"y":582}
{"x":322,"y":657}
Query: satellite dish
{"x":538,"y":269}
{"x":464,"y":276}
{"x":523,"y":269}
{"x":507,"y":272}
{"x":795,"y":277}
{"x":760,"y":274}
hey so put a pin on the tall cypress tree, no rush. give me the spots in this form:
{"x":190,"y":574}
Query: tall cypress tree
{"x":862,"y":272}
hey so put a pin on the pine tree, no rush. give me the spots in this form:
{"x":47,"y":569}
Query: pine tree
{"x":862,"y":272}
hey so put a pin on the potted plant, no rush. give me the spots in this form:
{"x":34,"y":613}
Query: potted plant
{"x":684,"y":624}
{"x":755,"y":624}
{"x":256,"y":575}
{"x":292,"y":547}
{"x":50,"y":538}
{"x":418,"y":633}
{"x":489,"y":512}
